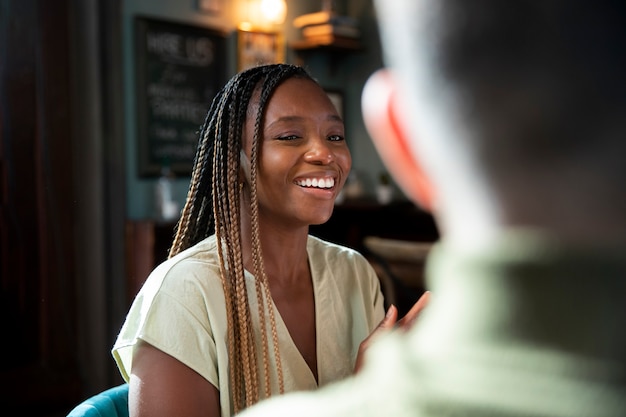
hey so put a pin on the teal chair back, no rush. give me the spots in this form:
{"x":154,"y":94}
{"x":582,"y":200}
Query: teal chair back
{"x":110,"y":403}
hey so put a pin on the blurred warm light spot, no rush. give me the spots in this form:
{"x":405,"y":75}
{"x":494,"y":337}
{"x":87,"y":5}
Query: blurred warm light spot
{"x":274,"y":11}
{"x":263,"y":14}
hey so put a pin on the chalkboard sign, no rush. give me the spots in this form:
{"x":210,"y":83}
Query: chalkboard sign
{"x":180,"y":68}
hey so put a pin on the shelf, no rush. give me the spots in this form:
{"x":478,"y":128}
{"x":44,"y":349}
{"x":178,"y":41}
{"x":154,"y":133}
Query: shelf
{"x":332,"y":45}
{"x":327,"y":43}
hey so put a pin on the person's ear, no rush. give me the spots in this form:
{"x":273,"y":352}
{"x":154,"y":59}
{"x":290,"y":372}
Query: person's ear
{"x":391,"y":138}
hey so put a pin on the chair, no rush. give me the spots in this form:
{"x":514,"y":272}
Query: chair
{"x":110,"y":403}
{"x":399,"y":265}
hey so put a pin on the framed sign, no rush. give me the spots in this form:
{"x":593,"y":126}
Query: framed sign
{"x":179,"y":69}
{"x":258,"y":48}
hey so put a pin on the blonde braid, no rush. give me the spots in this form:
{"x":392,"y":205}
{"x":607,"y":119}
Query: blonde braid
{"x":183,"y":225}
{"x":217,"y":204}
{"x":261,"y":283}
{"x":245,"y":325}
{"x":241,"y":346}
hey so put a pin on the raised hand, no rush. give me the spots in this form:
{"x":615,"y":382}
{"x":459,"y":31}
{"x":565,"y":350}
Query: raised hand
{"x":391,"y":322}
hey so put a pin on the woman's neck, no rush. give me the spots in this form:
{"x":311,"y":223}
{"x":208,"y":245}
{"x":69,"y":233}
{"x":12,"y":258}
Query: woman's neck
{"x":284,"y":251}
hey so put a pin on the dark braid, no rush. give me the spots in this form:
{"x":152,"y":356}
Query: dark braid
{"x":213,"y":206}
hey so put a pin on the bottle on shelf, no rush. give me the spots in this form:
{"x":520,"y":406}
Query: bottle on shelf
{"x":166,"y":206}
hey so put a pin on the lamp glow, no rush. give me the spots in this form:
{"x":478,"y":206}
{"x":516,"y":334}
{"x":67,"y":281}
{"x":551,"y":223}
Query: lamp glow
{"x":262,"y":14}
{"x":274,"y":11}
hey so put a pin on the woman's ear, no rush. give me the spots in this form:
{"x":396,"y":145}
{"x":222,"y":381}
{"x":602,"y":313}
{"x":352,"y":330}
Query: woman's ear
{"x":391,"y":137}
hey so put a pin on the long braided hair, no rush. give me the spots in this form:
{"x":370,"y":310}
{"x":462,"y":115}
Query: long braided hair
{"x":213,"y":206}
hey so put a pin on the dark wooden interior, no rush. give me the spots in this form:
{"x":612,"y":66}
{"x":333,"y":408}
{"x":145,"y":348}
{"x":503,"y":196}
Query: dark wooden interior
{"x":70,"y":261}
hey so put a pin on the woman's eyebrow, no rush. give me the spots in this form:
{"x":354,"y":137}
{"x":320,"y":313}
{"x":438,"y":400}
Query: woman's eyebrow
{"x":287,"y":119}
{"x":330,"y":117}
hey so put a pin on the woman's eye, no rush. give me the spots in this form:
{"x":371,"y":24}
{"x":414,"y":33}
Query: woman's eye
{"x":335,"y":138}
{"x":288,"y":137}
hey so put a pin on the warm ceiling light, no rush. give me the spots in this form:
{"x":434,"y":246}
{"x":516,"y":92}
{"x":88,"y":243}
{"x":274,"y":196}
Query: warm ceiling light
{"x":262,"y":14}
{"x":274,"y":11}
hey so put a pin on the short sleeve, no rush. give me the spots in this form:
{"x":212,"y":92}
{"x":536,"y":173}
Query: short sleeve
{"x":180,"y":311}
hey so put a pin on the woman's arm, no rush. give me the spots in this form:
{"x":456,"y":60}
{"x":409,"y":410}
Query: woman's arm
{"x":163,"y":386}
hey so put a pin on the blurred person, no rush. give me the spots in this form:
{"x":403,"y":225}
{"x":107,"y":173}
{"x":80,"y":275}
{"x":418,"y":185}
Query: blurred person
{"x":507,"y":119}
{"x":249,"y":305}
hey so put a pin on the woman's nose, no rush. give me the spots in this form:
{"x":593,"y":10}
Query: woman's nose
{"x":320,"y":152}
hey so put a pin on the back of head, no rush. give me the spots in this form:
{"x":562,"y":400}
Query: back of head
{"x":532,"y":92}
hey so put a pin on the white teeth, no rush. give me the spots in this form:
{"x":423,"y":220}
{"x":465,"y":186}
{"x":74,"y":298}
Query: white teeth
{"x":317,"y":182}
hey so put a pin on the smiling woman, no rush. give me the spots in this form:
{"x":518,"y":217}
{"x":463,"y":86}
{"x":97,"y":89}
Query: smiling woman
{"x":232,"y":316}
{"x":302,"y":145}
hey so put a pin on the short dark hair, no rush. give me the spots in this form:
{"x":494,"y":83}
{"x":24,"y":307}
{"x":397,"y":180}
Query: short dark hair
{"x":534,"y":80}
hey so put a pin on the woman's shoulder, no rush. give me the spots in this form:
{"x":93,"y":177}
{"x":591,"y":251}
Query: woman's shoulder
{"x":319,"y":248}
{"x":318,"y":243}
{"x":203,"y":251}
{"x":196,"y":266}
{"x":345,"y":267}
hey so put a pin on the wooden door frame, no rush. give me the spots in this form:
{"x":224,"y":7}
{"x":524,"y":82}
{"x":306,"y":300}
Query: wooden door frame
{"x":63,"y":211}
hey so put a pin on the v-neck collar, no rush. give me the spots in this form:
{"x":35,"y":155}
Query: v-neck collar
{"x":286,"y":342}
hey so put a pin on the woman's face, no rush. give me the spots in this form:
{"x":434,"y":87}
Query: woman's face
{"x":304,"y":159}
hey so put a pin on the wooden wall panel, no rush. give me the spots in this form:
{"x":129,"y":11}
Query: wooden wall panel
{"x":36,"y":247}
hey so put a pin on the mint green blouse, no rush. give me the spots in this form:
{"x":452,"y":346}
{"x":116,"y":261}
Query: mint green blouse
{"x":181,"y":311}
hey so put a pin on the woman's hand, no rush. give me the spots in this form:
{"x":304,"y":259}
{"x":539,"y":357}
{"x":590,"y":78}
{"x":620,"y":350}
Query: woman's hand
{"x":390,"y":322}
